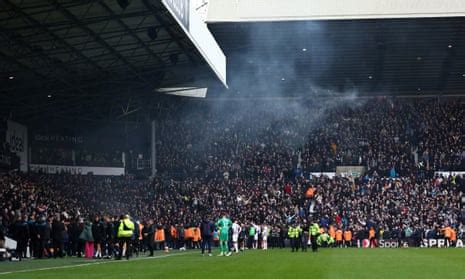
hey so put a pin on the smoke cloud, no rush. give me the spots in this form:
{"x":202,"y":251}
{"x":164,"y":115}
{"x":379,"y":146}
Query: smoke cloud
{"x":272,"y":91}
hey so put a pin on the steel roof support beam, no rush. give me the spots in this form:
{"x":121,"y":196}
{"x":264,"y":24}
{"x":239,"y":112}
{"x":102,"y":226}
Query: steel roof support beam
{"x":381,"y":56}
{"x":131,"y":32}
{"x":18,"y":99}
{"x":20,"y":45}
{"x":36,"y":107}
{"x":97,"y":38}
{"x":450,"y":58}
{"x":133,"y":35}
{"x":36,"y":23}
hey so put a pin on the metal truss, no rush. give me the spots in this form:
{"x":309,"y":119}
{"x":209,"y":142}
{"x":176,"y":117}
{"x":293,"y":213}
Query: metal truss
{"x":87,"y":58}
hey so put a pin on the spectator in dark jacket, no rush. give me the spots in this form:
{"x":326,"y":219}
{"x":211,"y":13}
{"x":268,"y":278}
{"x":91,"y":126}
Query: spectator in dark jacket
{"x":42,"y":228}
{"x":148,"y":235}
{"x":73,"y":232}
{"x":98,"y":232}
{"x":32,"y":235}
{"x":21,"y":235}
{"x":207,"y":228}
{"x":109,"y":237}
{"x":58,"y":237}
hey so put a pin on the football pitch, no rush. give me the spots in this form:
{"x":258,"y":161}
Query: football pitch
{"x":327,"y":263}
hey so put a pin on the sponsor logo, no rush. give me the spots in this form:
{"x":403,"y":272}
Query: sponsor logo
{"x":16,"y":143}
{"x":441,"y":243}
{"x":388,"y":243}
{"x":59,"y":138}
{"x":76,"y":169}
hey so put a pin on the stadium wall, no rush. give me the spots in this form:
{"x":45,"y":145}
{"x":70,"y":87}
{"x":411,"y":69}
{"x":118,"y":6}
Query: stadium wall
{"x":278,"y":10}
{"x":199,"y":34}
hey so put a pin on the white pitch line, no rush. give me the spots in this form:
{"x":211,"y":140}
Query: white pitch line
{"x":94,"y":263}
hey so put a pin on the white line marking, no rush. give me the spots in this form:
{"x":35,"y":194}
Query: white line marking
{"x":95,"y":263}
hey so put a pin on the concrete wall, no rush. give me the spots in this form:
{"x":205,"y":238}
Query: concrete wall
{"x":280,"y":10}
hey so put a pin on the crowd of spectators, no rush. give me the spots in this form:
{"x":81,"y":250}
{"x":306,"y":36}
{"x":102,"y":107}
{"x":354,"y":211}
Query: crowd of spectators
{"x":253,"y":162}
{"x":388,"y":204}
{"x":380,"y":134}
{"x":387,"y":135}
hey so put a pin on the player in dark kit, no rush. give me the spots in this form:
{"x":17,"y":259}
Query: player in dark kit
{"x":206,"y":229}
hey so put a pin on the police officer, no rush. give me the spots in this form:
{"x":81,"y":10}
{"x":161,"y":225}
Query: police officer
{"x":125,"y":232}
{"x":304,"y":236}
{"x":325,"y":240}
{"x":298,"y":237}
{"x":291,"y":234}
{"x":314,"y":232}
{"x":294,"y":236}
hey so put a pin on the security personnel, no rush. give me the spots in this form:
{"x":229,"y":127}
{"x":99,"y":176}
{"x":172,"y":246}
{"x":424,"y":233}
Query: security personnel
{"x":292,"y":234}
{"x":338,"y":237}
{"x":347,"y":238}
{"x":372,"y":237}
{"x":331,"y":231}
{"x":447,"y":231}
{"x":314,"y":232}
{"x":125,"y":232}
{"x":298,"y":239}
{"x":159,"y":238}
{"x":304,"y":236}
{"x":325,"y":240}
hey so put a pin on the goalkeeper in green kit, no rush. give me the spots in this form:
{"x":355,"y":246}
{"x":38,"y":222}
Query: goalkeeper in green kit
{"x":223,"y":225}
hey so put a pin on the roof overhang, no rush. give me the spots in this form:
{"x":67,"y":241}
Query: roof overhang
{"x":278,"y":10}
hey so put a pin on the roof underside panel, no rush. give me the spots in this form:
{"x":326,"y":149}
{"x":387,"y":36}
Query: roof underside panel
{"x":80,"y":52}
{"x":384,"y":57}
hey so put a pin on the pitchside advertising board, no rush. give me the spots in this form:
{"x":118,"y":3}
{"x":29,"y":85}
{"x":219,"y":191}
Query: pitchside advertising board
{"x":16,"y":136}
{"x":425,"y":243}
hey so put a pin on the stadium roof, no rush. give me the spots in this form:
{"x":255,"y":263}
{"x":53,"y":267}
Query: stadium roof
{"x":370,"y":56}
{"x":95,"y":59}
{"x":101,"y":60}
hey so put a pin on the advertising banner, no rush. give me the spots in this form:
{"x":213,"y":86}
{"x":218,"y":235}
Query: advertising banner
{"x":425,"y":243}
{"x":57,"y":139}
{"x":319,"y":174}
{"x":449,"y":173}
{"x":55,"y":169}
{"x":441,"y":243}
{"x":16,"y":136}
{"x":354,"y":171}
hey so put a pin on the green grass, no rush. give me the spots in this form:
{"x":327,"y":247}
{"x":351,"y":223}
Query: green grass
{"x":327,"y":263}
